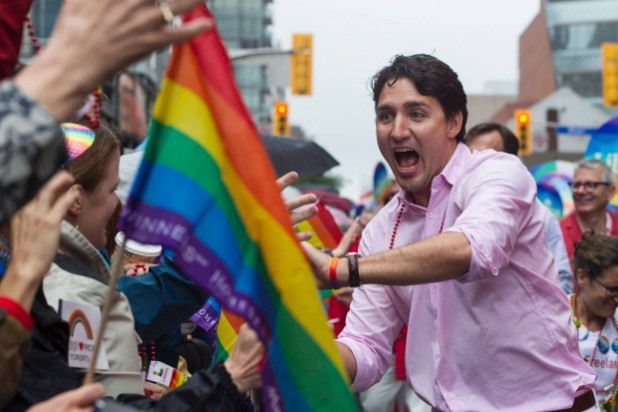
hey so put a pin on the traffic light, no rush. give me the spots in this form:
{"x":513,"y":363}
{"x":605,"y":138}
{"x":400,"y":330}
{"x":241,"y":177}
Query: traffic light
{"x":523,"y":131}
{"x":302,"y":64}
{"x":281,"y":123}
{"x":609,"y":71}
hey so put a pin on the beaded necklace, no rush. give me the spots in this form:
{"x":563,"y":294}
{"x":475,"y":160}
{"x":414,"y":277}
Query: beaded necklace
{"x":5,"y":254}
{"x":398,"y":221}
{"x":609,"y":404}
{"x":145,"y":358}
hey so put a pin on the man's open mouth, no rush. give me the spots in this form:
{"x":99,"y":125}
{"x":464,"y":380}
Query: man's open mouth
{"x":406,"y":158}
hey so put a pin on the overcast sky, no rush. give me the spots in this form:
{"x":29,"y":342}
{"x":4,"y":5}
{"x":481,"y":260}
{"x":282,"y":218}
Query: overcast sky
{"x":355,"y":38}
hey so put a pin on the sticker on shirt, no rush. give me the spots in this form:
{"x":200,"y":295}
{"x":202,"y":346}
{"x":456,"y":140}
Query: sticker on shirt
{"x":582,"y":333}
{"x":84,"y":321}
{"x":615,"y":345}
{"x":603,"y":345}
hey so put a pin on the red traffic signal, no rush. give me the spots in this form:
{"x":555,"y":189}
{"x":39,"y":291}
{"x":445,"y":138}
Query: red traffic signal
{"x":281,"y":109}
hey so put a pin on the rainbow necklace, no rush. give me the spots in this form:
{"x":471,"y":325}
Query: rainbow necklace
{"x":608,"y":404}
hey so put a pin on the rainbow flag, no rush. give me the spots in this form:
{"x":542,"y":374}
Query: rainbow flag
{"x":206,"y":189}
{"x":324,"y":230}
{"x":227,"y":333}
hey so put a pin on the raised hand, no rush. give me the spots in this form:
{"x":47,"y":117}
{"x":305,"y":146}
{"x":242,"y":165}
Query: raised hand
{"x":35,"y":234}
{"x":94,"y":39}
{"x":242,"y":365}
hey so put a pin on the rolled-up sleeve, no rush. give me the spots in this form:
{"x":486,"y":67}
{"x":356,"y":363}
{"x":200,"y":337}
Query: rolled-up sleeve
{"x":372,"y":324}
{"x":494,"y":207}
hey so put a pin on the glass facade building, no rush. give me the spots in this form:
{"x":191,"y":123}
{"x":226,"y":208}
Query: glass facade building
{"x":576,"y":30}
{"x":245,"y":24}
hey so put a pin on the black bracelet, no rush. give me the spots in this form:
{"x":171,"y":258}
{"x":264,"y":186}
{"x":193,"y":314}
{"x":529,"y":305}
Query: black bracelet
{"x":353,"y":272}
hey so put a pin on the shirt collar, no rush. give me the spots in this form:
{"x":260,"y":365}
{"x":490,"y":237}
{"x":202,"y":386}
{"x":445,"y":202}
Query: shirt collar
{"x":451,"y":173}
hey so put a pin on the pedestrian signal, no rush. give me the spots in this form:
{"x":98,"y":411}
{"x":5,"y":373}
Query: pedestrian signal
{"x":301,"y":64}
{"x":523,"y":131}
{"x":609,"y":71}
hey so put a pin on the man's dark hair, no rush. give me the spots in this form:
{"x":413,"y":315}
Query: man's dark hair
{"x":431,"y":77}
{"x":509,"y":140}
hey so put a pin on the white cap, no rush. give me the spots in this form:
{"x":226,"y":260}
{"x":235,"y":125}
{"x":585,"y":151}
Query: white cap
{"x":137,"y":248}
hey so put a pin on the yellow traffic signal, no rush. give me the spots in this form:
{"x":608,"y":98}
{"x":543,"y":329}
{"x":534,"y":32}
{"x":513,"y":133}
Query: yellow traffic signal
{"x":609,"y":71}
{"x":302,"y":64}
{"x":281,"y":123}
{"x":523,"y":131}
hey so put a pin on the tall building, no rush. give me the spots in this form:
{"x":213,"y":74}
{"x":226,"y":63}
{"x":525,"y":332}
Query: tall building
{"x":245,"y":24}
{"x":561,"y":48}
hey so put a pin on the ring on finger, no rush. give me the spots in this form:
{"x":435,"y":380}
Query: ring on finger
{"x":166,"y":11}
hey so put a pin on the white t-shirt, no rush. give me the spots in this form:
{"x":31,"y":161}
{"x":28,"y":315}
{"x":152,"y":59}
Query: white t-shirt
{"x":605,"y":362}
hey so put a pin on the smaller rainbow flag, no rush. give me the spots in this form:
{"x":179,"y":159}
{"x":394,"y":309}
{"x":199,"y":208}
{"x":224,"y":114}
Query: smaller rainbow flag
{"x":324,"y":230}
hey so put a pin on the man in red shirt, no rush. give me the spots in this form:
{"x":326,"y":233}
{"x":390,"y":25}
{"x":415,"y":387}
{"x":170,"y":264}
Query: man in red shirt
{"x":593,"y":185}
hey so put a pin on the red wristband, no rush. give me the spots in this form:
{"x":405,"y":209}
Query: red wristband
{"x":14,"y":309}
{"x":332,"y":271}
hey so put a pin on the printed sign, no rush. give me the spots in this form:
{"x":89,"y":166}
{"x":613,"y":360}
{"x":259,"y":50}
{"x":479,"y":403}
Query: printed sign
{"x":84,"y":321}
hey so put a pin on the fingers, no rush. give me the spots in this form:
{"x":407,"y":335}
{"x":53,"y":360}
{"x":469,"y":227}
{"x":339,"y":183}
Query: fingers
{"x":60,"y":209}
{"x":303,"y":236}
{"x":54,"y":188}
{"x":304,"y":214}
{"x":287,"y":179}
{"x":182,"y":6}
{"x":78,"y":400}
{"x":300,"y":201}
{"x":185,"y":32}
{"x":86,"y":395}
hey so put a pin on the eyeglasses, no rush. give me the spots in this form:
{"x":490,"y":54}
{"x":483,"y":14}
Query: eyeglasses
{"x":611,"y":290}
{"x":587,"y":185}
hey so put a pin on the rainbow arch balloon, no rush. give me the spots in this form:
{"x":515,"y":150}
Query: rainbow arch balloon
{"x":553,"y":181}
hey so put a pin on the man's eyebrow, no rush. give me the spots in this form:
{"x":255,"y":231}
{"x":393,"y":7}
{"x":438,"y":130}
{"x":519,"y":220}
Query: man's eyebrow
{"x":407,"y":105}
{"x":414,"y":104}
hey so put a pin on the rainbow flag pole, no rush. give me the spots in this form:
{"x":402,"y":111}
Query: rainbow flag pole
{"x":206,"y":189}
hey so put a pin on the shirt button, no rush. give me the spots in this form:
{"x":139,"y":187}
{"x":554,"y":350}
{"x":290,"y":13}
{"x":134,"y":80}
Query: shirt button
{"x":451,"y":396}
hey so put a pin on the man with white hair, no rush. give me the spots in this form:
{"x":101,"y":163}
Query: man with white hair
{"x":594,"y":184}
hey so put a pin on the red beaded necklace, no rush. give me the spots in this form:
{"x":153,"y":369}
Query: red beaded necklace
{"x":398,"y":221}
{"x":399,"y":215}
{"x":144,"y":355}
{"x":611,"y":401}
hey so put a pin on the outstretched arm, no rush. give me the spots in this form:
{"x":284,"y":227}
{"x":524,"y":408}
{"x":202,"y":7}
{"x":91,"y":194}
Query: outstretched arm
{"x":442,"y":257}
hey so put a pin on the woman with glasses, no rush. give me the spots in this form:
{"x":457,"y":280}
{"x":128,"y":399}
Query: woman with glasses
{"x":594,"y":307}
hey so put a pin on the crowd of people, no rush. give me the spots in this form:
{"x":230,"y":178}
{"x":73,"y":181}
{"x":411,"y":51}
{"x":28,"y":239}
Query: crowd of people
{"x":465,"y":293}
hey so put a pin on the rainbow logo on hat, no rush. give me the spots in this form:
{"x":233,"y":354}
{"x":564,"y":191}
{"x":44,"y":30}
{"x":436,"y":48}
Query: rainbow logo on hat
{"x":77,"y":139}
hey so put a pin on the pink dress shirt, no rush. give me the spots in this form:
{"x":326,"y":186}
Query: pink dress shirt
{"x":500,"y":337}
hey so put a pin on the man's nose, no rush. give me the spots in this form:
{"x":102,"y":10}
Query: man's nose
{"x":579,"y":189}
{"x":401,"y":129}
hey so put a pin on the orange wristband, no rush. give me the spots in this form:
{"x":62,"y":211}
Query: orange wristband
{"x":332,"y":271}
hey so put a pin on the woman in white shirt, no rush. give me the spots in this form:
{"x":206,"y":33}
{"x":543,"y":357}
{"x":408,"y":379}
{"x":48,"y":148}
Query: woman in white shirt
{"x":594,"y":308}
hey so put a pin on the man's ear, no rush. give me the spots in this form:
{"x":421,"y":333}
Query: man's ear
{"x":454,"y":125}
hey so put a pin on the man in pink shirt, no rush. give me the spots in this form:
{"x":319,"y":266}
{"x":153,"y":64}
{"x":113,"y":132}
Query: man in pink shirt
{"x":469,"y":270}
